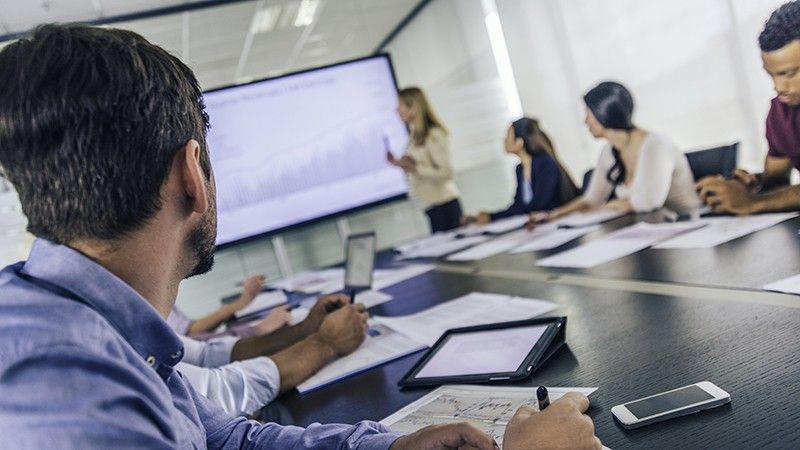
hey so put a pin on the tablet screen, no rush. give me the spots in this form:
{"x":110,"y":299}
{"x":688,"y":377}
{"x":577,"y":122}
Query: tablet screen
{"x":482,"y":352}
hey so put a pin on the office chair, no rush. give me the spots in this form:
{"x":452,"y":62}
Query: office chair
{"x":714,"y":161}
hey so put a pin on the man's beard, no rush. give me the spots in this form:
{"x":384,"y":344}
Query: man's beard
{"x":203,"y":238}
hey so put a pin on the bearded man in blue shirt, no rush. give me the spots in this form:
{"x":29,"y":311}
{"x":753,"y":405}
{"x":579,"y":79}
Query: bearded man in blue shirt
{"x":103,"y":136}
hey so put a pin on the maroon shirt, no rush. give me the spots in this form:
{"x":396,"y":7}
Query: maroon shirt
{"x":783,"y":131}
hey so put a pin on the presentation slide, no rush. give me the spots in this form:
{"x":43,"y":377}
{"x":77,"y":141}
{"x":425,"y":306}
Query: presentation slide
{"x":304,"y":146}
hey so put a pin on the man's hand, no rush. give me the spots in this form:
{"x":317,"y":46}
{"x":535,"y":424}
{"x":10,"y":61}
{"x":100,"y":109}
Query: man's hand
{"x":325,"y":305}
{"x":746,"y":178}
{"x":345,"y":329}
{"x":561,"y":426}
{"x":443,"y":437}
{"x":252,"y":287}
{"x":725,"y":195}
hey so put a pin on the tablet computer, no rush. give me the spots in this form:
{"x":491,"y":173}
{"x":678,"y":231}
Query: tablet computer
{"x":501,"y":352}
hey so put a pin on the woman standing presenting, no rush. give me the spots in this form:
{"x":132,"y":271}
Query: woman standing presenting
{"x":427,"y":161}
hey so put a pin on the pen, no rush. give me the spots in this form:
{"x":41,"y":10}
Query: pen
{"x":352,"y":296}
{"x":543,"y":397}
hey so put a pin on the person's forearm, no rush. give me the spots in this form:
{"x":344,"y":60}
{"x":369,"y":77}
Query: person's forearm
{"x":579,"y":204}
{"x":212,"y":321}
{"x":769,"y":182}
{"x":269,"y":344}
{"x":783,"y":199}
{"x":303,"y":359}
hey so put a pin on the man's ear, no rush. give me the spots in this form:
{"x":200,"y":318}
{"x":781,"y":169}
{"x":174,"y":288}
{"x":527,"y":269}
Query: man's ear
{"x":192,"y":177}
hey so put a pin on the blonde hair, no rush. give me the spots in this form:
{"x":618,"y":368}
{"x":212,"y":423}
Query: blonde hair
{"x":424,"y":117}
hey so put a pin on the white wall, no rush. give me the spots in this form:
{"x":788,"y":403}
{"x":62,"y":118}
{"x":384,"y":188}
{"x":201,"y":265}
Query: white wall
{"x":447,"y":52}
{"x":693,"y":67}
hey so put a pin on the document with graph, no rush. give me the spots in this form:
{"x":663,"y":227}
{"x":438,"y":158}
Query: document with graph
{"x":487,"y":407}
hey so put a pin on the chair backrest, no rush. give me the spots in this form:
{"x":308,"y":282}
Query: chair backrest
{"x":714,"y":161}
{"x":587,"y":178}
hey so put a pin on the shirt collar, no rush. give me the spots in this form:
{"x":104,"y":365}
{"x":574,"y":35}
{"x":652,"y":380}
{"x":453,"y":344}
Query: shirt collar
{"x":131,"y":315}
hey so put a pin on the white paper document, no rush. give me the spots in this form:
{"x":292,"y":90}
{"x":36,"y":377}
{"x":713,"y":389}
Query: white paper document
{"x":394,"y":337}
{"x":585,"y":219}
{"x":381,"y":346}
{"x":489,"y":408}
{"x":789,"y":285}
{"x":383,"y":278}
{"x":324,"y":280}
{"x":719,"y":230}
{"x":332,"y":280}
{"x":476,"y":308}
{"x":264,"y":300}
{"x":372,"y":298}
{"x":495,"y":227}
{"x":553,"y":238}
{"x":496,"y":246}
{"x":423,"y":242}
{"x":620,"y":243}
{"x":439,"y":249}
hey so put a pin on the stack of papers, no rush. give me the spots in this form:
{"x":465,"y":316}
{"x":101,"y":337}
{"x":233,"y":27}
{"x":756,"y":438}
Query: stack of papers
{"x":263,"y":301}
{"x":500,"y":226}
{"x":324,"y":280}
{"x":394,"y":337}
{"x":472,"y":309}
{"x":554,"y":238}
{"x":427,"y":241}
{"x":489,"y":408}
{"x":585,"y":219}
{"x":620,"y":243}
{"x":789,"y":285}
{"x":719,"y":230}
{"x":494,"y":247}
{"x":332,"y":280}
{"x":442,"y":247}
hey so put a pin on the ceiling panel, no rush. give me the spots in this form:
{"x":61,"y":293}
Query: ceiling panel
{"x":218,"y":43}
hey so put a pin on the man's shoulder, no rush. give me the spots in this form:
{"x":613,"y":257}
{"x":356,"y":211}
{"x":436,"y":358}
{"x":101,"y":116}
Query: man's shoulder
{"x":33,"y":318}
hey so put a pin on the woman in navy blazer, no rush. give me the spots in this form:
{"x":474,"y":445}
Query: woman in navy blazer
{"x":542,"y":183}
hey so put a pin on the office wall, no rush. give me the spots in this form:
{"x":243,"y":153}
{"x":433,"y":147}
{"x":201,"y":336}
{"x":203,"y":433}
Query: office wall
{"x":693,"y":67}
{"x":446,"y":51}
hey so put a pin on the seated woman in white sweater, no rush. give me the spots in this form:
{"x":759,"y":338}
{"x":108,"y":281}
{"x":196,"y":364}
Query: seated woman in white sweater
{"x":645,"y":170}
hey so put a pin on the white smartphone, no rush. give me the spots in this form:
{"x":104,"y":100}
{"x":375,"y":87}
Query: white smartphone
{"x":666,"y":405}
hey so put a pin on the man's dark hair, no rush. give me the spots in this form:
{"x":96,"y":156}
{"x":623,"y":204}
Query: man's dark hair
{"x":782,"y":27}
{"x":90,"y":122}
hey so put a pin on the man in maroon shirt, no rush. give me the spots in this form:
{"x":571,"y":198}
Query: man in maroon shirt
{"x":771,"y":190}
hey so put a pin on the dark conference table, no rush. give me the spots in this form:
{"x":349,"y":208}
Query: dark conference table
{"x":748,"y":262}
{"x":629,"y":345}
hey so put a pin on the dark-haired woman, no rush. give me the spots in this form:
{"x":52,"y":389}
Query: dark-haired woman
{"x":645,"y":170}
{"x":542,"y":183}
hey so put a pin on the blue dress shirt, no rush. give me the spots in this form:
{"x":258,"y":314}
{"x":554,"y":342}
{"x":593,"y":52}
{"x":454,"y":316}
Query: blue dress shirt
{"x":86,"y":362}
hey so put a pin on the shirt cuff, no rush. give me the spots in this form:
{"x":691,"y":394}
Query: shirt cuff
{"x":380,"y":441}
{"x":217,"y":351}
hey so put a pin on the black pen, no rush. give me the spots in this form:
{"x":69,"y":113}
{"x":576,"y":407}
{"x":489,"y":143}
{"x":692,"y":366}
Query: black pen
{"x":543,"y":397}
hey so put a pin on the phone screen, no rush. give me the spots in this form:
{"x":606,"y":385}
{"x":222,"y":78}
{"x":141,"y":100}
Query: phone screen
{"x":668,"y":401}
{"x":360,"y":261}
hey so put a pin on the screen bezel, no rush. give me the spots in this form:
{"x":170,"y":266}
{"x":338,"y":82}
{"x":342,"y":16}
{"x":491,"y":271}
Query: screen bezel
{"x":325,"y":217}
{"x":350,"y":239}
{"x":534,"y":356}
